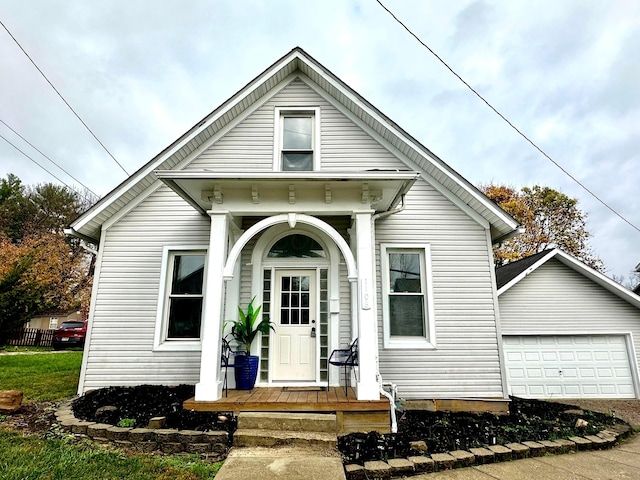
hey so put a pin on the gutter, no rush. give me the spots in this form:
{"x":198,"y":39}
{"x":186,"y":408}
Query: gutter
{"x":74,"y":233}
{"x":381,"y":383}
{"x":518,"y":231}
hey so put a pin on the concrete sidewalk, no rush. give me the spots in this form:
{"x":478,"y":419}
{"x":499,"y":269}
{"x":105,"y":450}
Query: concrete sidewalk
{"x":621,"y":462}
{"x":281,"y":462}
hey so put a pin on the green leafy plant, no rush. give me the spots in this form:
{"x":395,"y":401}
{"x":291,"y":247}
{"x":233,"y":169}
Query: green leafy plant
{"x":126,"y":422}
{"x":245,"y":329}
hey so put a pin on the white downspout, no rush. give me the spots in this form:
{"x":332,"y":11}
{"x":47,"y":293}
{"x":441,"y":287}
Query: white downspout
{"x":394,"y":389}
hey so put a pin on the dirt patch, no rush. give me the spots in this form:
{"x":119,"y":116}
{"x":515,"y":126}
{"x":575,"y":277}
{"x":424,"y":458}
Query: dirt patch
{"x":627,"y":410}
{"x":31,"y":418}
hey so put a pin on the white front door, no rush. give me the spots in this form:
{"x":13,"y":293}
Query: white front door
{"x":294,"y":353}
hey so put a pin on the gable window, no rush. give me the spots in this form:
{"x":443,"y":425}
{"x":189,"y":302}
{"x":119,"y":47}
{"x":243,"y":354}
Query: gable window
{"x":180,"y":318}
{"x":407,"y":304}
{"x":296,"y":145}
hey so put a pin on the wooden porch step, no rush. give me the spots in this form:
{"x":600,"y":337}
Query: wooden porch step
{"x":278,"y":438}
{"x":291,"y":422}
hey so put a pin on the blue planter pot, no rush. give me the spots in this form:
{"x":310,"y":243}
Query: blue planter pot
{"x":246,"y":371}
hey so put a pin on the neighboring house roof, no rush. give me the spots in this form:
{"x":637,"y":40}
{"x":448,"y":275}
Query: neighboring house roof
{"x":506,"y":273}
{"x":512,"y":273}
{"x":240,"y":105}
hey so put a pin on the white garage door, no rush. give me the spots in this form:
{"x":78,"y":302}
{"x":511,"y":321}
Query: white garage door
{"x":571,"y":366}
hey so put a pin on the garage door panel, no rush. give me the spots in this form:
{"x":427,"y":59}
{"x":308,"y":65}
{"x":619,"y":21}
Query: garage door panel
{"x":568,"y":366}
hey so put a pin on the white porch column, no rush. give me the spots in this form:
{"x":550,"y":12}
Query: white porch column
{"x":210,"y":385}
{"x":367,"y":388}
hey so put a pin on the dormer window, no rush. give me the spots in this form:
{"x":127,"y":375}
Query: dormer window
{"x":296,"y":148}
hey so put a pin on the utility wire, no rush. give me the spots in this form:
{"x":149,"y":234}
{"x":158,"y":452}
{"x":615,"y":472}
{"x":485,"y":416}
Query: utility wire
{"x":507,"y":121}
{"x":45,"y":156}
{"x":90,"y":200}
{"x":62,"y":98}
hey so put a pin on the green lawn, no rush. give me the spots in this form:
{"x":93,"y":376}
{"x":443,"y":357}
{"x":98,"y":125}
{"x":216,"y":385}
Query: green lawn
{"x":54,"y":376}
{"x":25,"y":458}
{"x":42,"y":377}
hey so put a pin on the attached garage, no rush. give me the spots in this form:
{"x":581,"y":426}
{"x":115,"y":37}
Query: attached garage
{"x":568,"y":366}
{"x":567,"y":330}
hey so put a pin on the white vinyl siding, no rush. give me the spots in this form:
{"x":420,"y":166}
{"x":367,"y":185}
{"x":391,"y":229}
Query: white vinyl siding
{"x":556,"y":300}
{"x":465,"y":362}
{"x":120,"y":350}
{"x":344,"y":146}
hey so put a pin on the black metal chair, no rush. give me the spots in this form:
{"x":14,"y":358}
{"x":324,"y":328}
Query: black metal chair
{"x":347,"y":358}
{"x":227,"y":361}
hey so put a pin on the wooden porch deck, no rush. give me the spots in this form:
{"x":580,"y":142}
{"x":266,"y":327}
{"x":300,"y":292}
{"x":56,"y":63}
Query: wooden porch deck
{"x":352,"y":415}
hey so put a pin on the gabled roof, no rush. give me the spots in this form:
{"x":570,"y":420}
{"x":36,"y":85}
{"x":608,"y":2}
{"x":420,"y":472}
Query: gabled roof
{"x":509,"y":275}
{"x":502,"y":225}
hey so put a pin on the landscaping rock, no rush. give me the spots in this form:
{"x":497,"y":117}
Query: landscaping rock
{"x":581,"y":423}
{"x":518,"y":450}
{"x":418,"y":446}
{"x":123,"y":444}
{"x":118,"y":433}
{"x":355,"y":472}
{"x":463,"y":458}
{"x":535,"y":449}
{"x":98,"y":430}
{"x":80,"y":427}
{"x":551,"y":446}
{"x":157,"y":422}
{"x":172,"y":447}
{"x":146,"y":447}
{"x":198,"y":448}
{"x":502,"y":453}
{"x":401,"y":467}
{"x":191,"y":436}
{"x":377,"y":469}
{"x":582,"y":443}
{"x":566,"y":446}
{"x":167,"y":435}
{"x":483,"y":455}
{"x":10,"y":401}
{"x":422,"y":464}
{"x":597,"y":442}
{"x":443,"y":461}
{"x":142,"y":435}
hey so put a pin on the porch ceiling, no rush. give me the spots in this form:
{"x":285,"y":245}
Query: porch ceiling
{"x":327,"y":193}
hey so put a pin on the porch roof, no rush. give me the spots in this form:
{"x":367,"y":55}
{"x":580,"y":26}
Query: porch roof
{"x":333,"y":193}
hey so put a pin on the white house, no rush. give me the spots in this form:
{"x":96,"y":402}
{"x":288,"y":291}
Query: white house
{"x":297,"y":191}
{"x":568,"y":331}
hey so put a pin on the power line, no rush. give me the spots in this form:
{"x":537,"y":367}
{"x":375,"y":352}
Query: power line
{"x":45,"y":156}
{"x":63,"y":99}
{"x":90,"y":200}
{"x":507,"y":121}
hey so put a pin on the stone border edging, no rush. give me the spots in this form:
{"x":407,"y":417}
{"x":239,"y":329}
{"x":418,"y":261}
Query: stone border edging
{"x":437,"y":462}
{"x":145,"y":440}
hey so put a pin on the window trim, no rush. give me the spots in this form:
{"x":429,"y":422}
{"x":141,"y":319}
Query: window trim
{"x":429,"y":340}
{"x":280,"y":113}
{"x":161,"y":342}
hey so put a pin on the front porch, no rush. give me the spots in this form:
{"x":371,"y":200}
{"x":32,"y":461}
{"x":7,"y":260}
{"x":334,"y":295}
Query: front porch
{"x":352,"y":415}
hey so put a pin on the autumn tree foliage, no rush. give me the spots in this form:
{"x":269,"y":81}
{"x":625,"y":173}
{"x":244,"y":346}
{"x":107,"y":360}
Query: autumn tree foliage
{"x":40,"y":268}
{"x":550,"y":218}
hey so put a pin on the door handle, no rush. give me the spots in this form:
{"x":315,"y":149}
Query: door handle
{"x":313,"y":332}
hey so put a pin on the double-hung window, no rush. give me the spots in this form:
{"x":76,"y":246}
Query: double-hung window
{"x":180,"y":318}
{"x":296,"y":146}
{"x":407,"y":297}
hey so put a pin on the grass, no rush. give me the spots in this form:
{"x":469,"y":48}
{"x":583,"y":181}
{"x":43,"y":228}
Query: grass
{"x":28,"y":458}
{"x":42,"y":377}
{"x":52,"y":377}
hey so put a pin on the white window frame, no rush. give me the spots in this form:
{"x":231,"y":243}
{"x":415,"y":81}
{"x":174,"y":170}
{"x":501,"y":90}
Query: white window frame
{"x":161,"y":342}
{"x":429,"y":340}
{"x":280,"y":113}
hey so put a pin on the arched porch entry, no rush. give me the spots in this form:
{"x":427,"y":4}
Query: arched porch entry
{"x":282,"y":271}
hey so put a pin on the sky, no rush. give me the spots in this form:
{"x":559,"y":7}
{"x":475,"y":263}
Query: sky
{"x":141,"y":73}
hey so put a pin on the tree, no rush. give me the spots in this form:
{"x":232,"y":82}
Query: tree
{"x":40,"y":268}
{"x":551,"y":220}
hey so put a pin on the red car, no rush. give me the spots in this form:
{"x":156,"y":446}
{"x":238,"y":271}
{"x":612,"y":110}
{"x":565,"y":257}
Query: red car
{"x":69,"y":334}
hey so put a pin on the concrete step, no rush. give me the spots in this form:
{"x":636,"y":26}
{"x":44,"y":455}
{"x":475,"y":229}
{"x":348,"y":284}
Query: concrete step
{"x":273,"y":438}
{"x":290,"y":422}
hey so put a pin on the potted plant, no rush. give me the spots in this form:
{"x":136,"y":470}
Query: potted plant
{"x":244,"y":331}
